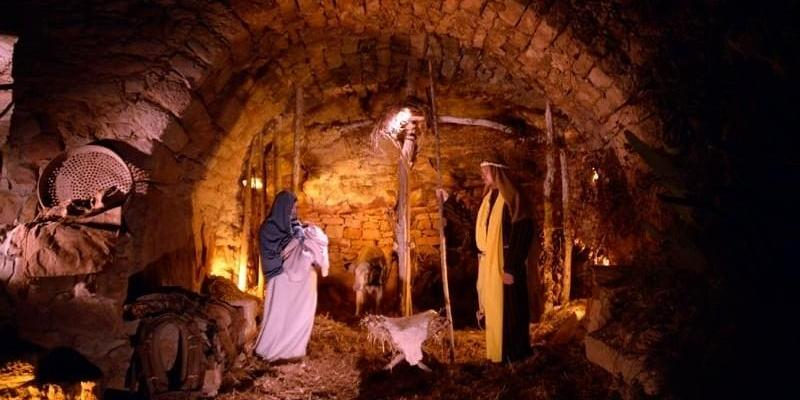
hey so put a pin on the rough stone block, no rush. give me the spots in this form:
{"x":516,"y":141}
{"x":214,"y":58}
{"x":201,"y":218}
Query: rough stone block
{"x":428,"y":241}
{"x":352,"y":233}
{"x":174,"y":137}
{"x":599,"y":78}
{"x":371,"y":234}
{"x":583,"y":64}
{"x":21,"y":177}
{"x":528,"y":22}
{"x":544,"y":35}
{"x":332,"y":220}
{"x":472,"y":6}
{"x":40,"y":148}
{"x":450,"y":6}
{"x":10,"y":205}
{"x":519,"y":41}
{"x":616,"y":97}
{"x":587,"y":93}
{"x":512,"y":12}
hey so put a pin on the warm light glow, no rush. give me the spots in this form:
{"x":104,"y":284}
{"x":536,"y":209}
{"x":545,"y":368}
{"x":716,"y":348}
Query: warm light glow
{"x":87,"y":391}
{"x":242,"y":282}
{"x":15,"y":374}
{"x":220,"y":268}
{"x":255,"y":183}
{"x":399,"y":120}
{"x":605,"y":260}
{"x":595,"y":175}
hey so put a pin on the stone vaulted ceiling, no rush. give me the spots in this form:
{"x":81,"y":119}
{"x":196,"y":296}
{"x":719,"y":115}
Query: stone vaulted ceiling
{"x":189,"y":83}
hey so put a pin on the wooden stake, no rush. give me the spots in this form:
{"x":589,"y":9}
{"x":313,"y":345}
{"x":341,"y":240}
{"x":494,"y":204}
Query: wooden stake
{"x":549,"y":256}
{"x":298,"y":131}
{"x":566,"y":276}
{"x":440,"y":201}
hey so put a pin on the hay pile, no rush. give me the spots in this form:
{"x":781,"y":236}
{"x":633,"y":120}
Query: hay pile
{"x":342,"y":364}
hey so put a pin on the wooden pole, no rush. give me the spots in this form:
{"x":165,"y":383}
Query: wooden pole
{"x":247,"y":196}
{"x":440,"y":201}
{"x":276,"y":161}
{"x":566,"y":277}
{"x":549,"y":256}
{"x":255,"y":215}
{"x":298,"y":132}
{"x":264,"y":153}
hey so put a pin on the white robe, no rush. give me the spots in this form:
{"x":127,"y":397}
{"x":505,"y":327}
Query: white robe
{"x":291,"y":299}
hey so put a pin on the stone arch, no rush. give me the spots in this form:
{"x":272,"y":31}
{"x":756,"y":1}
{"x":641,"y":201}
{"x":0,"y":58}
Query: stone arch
{"x":182,"y":78}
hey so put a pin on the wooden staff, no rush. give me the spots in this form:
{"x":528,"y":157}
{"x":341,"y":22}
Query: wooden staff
{"x":440,"y":201}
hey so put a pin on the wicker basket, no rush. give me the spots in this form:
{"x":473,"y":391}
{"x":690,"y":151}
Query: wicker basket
{"x":81,"y":173}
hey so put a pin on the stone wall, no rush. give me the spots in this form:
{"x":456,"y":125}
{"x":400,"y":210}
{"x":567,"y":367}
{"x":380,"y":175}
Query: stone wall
{"x":8,"y":199}
{"x":6,"y":94}
{"x":191,"y":95}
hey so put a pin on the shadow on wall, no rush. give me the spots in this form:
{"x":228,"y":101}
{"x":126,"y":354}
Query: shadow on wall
{"x":159,"y":220}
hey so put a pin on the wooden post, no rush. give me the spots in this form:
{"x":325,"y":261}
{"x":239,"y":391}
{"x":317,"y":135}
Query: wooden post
{"x":264,"y":152}
{"x":403,"y":222}
{"x":247,"y":196}
{"x":566,"y":277}
{"x":549,"y":256}
{"x":298,"y":132}
{"x":440,"y":201}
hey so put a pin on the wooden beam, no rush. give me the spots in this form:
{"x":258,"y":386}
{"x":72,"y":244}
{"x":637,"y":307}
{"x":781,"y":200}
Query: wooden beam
{"x":444,"y":119}
{"x":476,"y":122}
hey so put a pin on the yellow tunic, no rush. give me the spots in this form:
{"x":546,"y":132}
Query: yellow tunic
{"x":490,"y":272}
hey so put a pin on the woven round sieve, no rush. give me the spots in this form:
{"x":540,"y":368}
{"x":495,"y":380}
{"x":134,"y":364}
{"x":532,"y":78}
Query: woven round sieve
{"x":82,"y":173}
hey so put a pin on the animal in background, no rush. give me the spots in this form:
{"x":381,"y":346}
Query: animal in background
{"x":371,"y":273}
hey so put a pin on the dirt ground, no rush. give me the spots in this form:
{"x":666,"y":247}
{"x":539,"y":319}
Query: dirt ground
{"x":342,"y":364}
